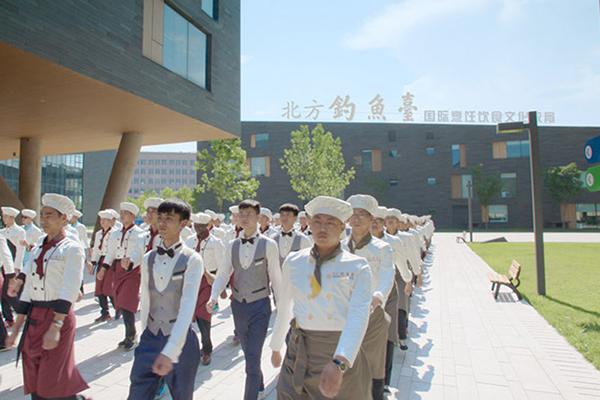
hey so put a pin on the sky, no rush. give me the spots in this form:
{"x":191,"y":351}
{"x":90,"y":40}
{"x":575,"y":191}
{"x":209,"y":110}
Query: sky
{"x":478,"y":58}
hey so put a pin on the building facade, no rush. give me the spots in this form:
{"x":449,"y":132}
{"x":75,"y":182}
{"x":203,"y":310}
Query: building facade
{"x":156,"y":171}
{"x":60,"y":174}
{"x":427,"y":168}
{"x":113,"y":75}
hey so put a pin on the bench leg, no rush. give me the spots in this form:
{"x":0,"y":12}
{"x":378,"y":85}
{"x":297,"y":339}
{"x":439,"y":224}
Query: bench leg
{"x":493,"y":284}
{"x":497,"y":291}
{"x":516,"y":291}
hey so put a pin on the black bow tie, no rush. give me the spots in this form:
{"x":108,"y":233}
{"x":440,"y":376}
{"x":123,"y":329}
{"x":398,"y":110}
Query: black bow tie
{"x":161,"y":251}
{"x":290,"y":233}
{"x":251,"y":240}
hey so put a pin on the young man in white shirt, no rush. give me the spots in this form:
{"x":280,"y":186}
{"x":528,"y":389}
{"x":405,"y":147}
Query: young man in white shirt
{"x":151,"y":237}
{"x":46,"y":307}
{"x":379,"y":255}
{"x":32,"y":232}
{"x":264,"y":220}
{"x":15,"y":236}
{"x":168,"y":351}
{"x":327,"y":291}
{"x":104,"y":277}
{"x":6,"y":262}
{"x":212,"y":251}
{"x":254,"y":261}
{"x":399,"y":295}
{"x":289,"y":239}
{"x":124,"y":257}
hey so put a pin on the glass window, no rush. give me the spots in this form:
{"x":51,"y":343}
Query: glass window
{"x":367,"y":160}
{"x":209,"y":7}
{"x":394,"y":182}
{"x":163,"y":162}
{"x":431,"y":181}
{"x":517,"y":148}
{"x":509,"y":184}
{"x":261,"y":139}
{"x":588,"y":215}
{"x":430,"y":151}
{"x":524,"y":148}
{"x":498,"y":213}
{"x":466,"y":180}
{"x":184,"y":47}
{"x":258,"y":166}
{"x":455,"y":155}
{"x":177,"y":162}
{"x":394,"y":154}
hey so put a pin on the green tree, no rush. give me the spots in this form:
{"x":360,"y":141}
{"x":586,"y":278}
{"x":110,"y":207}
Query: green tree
{"x":563,"y":183}
{"x":315,"y":163}
{"x":184,"y":193}
{"x":139,"y":201}
{"x":487,"y":188}
{"x":225,"y":172}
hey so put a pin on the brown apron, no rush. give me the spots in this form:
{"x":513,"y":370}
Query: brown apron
{"x":307,"y":354}
{"x":391,"y":308}
{"x":375,"y":342}
{"x":403,"y":300}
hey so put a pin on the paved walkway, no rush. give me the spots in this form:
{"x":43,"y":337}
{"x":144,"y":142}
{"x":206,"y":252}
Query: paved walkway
{"x":464,"y":345}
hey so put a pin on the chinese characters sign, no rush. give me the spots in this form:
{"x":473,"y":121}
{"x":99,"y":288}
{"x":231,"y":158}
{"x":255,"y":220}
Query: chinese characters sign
{"x":344,"y":109}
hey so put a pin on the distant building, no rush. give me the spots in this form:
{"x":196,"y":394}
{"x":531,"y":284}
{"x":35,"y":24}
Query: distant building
{"x":158,"y":170}
{"x":426,"y":168}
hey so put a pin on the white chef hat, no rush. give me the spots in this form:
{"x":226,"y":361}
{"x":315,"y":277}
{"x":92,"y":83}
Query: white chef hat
{"x":337,"y":208}
{"x":394,"y":212}
{"x":77,"y":213}
{"x":302,"y":214}
{"x":364,"y":201}
{"x":234,"y":209}
{"x":201,"y":218}
{"x":404,"y":218}
{"x":60,"y":203}
{"x":211,"y":213}
{"x":10,"y":211}
{"x":276,"y":216}
{"x":113,"y":213}
{"x":381,"y":212}
{"x":266,"y":212}
{"x":152,"y":202}
{"x":221,"y":217}
{"x":413,"y":219}
{"x":127,"y":206}
{"x":28,"y":213}
{"x":105,"y":214}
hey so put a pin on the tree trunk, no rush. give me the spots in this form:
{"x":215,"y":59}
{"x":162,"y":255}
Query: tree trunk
{"x":485,"y":217}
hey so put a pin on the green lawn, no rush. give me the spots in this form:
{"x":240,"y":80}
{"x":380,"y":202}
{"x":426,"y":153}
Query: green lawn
{"x":572,"y":301}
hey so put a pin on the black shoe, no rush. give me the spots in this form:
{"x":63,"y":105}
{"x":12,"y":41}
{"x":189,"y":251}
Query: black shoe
{"x":129,"y":344}
{"x":403,"y":347}
{"x":118,"y":315}
{"x":387,"y":390}
{"x":122,"y":343}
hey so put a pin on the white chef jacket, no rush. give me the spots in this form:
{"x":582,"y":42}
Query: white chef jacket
{"x":400,"y":256}
{"x":15,"y":234}
{"x":343,"y":304}
{"x":379,"y":255}
{"x":131,"y":246}
{"x":212,"y":251}
{"x":63,"y":272}
{"x":6,"y":260}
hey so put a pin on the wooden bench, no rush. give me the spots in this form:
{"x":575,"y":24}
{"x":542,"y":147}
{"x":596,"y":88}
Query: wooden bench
{"x":511,"y":280}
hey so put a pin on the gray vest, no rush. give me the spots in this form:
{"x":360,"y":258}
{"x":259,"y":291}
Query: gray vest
{"x":164,"y":306}
{"x":295,"y":246}
{"x":251,"y":284}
